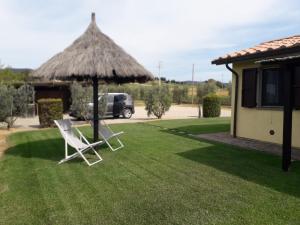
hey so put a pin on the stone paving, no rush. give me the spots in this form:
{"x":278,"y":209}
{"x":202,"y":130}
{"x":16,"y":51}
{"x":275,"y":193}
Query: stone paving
{"x":248,"y":144}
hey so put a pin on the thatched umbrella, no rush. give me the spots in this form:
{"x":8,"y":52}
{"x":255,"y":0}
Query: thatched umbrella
{"x":93,"y":56}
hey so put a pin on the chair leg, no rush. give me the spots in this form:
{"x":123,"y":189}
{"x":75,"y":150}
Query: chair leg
{"x":121,"y":145}
{"x":80,"y":153}
{"x":66,"y":149}
{"x":93,"y":163}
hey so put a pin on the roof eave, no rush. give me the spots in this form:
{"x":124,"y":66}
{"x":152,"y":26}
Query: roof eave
{"x":255,"y":56}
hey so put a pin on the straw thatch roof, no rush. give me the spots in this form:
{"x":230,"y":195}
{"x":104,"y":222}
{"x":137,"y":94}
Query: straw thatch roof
{"x":93,"y":54}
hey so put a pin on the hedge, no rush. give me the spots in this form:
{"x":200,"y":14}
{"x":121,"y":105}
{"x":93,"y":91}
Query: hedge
{"x":49,"y":110}
{"x":211,"y":106}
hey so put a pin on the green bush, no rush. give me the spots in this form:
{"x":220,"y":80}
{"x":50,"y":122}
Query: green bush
{"x":180,"y":94}
{"x":49,"y":110}
{"x":204,"y":89}
{"x":211,"y":106}
{"x":225,"y":100}
{"x":158,"y":100}
{"x":7,"y":76}
{"x":14,"y":103}
{"x":81,"y":97}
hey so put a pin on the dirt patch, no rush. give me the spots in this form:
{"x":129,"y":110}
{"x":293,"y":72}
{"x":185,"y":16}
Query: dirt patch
{"x":4,"y":133}
{"x":3,"y":142}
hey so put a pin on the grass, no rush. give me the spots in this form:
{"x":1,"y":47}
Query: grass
{"x":160,"y":177}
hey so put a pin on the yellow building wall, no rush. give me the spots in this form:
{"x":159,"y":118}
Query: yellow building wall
{"x":256,"y":123}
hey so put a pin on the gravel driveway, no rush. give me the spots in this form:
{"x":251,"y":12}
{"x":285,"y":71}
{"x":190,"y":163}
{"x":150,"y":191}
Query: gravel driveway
{"x":175,"y":112}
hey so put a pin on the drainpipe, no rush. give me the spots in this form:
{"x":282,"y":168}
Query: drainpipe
{"x":236,"y":93}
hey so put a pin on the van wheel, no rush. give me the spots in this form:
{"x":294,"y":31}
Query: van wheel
{"x":127,"y":113}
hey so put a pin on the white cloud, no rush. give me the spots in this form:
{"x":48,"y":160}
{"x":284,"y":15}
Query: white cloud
{"x":149,"y":30}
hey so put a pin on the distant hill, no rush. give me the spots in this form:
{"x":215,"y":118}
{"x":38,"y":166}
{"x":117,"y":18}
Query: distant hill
{"x":18,"y":70}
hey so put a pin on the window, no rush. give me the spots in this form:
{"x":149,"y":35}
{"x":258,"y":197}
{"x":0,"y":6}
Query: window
{"x":272,"y":87}
{"x":110,"y":98}
{"x":249,"y":88}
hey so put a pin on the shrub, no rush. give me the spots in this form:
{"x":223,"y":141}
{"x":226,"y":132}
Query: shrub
{"x":211,"y":106}
{"x":49,"y":110}
{"x":225,"y":100}
{"x":8,"y":76}
{"x":204,"y":89}
{"x":81,"y":97}
{"x":14,"y":102}
{"x":229,"y":88}
{"x":6,"y":104}
{"x":24,"y":96}
{"x":180,"y":94}
{"x":158,"y":101}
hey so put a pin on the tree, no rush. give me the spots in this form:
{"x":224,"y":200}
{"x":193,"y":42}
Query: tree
{"x":180,"y":93}
{"x":8,"y":76}
{"x":205,"y":89}
{"x":14,"y":103}
{"x":23,"y":98}
{"x":229,"y":88}
{"x":158,"y":101}
{"x":81,"y":97}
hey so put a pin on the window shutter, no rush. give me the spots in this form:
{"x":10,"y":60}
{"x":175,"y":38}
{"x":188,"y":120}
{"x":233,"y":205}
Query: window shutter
{"x":297,"y":91}
{"x":249,"y":88}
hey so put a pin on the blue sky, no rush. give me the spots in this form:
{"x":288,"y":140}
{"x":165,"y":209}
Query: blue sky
{"x":177,"y":33}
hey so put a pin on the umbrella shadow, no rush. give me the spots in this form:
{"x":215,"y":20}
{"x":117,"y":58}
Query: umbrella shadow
{"x":48,"y":149}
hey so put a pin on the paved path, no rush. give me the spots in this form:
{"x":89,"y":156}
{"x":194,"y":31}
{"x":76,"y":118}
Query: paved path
{"x":248,"y":144}
{"x":175,"y":112}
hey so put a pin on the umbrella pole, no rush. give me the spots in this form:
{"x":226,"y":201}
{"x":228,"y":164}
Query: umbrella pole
{"x":95,"y":110}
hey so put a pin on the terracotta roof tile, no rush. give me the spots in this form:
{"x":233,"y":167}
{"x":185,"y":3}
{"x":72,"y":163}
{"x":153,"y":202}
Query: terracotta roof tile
{"x":288,"y":42}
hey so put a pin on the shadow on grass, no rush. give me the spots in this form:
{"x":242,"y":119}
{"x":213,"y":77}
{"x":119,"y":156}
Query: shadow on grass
{"x":48,"y":149}
{"x":251,"y":165}
{"x":201,"y":128}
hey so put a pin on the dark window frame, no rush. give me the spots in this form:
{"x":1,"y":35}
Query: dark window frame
{"x":249,"y":99}
{"x":263,"y":99}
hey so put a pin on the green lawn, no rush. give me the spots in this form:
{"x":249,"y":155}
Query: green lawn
{"x":160,"y":177}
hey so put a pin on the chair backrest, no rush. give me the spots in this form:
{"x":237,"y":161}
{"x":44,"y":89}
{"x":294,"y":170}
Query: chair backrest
{"x":65,"y":128}
{"x":104,"y":130}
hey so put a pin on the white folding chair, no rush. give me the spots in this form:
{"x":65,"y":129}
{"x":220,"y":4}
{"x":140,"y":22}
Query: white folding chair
{"x":80,"y":144}
{"x":107,"y":134}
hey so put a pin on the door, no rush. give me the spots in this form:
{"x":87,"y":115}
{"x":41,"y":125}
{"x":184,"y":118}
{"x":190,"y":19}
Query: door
{"x":118,"y":105}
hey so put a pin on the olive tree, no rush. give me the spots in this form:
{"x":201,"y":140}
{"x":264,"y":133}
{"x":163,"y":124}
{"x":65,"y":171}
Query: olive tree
{"x":204,"y":89}
{"x":180,"y":94}
{"x":14,"y":103}
{"x":81,"y":97}
{"x":158,"y":100}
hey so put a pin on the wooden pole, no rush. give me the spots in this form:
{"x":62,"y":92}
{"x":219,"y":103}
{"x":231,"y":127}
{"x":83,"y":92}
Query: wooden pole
{"x":288,"y":117}
{"x":95,"y":110}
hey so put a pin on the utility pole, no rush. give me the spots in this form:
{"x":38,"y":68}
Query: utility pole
{"x":193,"y":74}
{"x":159,"y":68}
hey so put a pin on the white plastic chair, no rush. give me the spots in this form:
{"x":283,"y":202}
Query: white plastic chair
{"x":107,"y":134}
{"x":80,"y":144}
